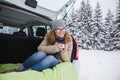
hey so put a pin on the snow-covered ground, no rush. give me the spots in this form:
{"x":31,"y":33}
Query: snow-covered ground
{"x":98,"y":65}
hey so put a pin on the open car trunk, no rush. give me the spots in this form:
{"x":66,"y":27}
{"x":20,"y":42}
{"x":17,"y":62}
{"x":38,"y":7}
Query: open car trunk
{"x":28,"y":17}
{"x":23,"y":14}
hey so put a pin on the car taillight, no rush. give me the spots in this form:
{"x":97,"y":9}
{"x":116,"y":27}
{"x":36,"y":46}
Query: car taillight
{"x":77,"y":51}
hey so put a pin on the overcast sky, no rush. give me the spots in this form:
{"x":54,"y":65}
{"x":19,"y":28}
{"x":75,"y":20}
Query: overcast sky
{"x":105,"y":5}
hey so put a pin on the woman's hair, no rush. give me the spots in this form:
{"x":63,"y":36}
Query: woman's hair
{"x":51,"y":37}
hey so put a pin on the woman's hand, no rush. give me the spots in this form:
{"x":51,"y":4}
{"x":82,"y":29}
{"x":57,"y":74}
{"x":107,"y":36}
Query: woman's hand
{"x":60,"y":46}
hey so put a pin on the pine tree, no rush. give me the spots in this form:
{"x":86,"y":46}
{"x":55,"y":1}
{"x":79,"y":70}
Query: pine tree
{"x":82,"y":7}
{"x":117,"y":19}
{"x":88,"y":20}
{"x":84,"y":21}
{"x":109,"y":26}
{"x":109,"y":20}
{"x":98,"y":14}
{"x":88,"y":25}
{"x":72,"y":23}
{"x":82,"y":12}
{"x":81,"y":21}
{"x":118,"y":16}
{"x":116,"y":31}
{"x":98,"y":39}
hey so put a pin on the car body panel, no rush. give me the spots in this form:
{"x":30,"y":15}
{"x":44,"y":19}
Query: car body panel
{"x":40,"y":9}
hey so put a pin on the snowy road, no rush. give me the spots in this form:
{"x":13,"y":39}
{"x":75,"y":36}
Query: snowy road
{"x":98,"y":65}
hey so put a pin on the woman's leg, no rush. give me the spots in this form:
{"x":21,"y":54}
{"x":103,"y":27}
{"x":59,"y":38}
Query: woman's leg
{"x":47,"y":62}
{"x":32,"y":60}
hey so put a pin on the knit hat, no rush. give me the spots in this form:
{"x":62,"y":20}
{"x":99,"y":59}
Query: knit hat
{"x":57,"y":23}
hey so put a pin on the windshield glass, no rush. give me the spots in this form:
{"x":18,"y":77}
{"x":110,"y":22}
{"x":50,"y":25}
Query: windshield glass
{"x":52,"y":4}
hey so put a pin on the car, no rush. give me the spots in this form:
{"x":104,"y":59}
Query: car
{"x":23,"y":25}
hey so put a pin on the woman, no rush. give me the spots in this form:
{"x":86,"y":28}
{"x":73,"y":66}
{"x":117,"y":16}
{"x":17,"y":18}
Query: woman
{"x":54,"y":49}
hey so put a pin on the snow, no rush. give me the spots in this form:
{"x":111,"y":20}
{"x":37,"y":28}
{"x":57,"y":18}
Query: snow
{"x":98,"y":65}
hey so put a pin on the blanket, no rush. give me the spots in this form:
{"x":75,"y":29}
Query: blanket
{"x":62,"y":71}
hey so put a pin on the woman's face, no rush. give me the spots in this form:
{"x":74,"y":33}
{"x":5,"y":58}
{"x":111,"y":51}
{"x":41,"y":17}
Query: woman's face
{"x":60,"y":31}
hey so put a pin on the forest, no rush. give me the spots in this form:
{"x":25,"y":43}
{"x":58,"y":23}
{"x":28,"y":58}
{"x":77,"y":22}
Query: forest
{"x":92,"y":30}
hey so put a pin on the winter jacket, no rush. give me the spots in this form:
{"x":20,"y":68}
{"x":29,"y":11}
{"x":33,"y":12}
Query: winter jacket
{"x":65,"y":55}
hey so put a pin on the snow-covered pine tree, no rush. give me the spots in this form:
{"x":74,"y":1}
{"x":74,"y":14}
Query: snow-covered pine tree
{"x":88,"y":25}
{"x":109,"y":26}
{"x":116,"y":31}
{"x":83,"y":21}
{"x":71,"y":22}
{"x":118,"y":15}
{"x":81,"y":12}
{"x":98,"y":40}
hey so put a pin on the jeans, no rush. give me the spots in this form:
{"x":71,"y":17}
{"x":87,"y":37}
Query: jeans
{"x":39,"y":61}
